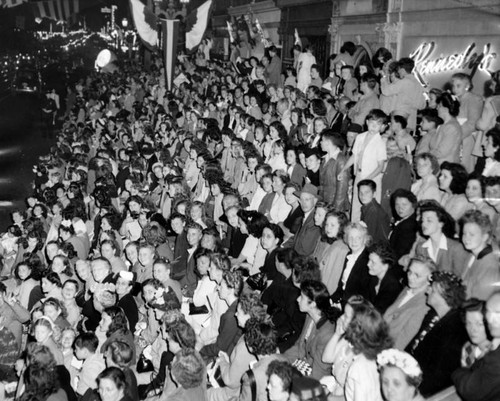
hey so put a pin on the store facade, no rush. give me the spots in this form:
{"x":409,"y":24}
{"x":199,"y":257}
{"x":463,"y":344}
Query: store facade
{"x":444,"y":37}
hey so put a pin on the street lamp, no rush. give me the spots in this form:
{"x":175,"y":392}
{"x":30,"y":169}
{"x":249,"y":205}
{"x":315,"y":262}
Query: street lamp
{"x":169,"y":8}
{"x":124,"y":23}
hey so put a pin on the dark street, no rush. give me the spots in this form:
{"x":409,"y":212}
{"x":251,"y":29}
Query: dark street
{"x":21,"y":143}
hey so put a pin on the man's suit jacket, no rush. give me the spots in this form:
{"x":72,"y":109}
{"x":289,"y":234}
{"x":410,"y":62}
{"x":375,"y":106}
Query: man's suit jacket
{"x":357,"y":282}
{"x":403,"y":236}
{"x":331,"y":189}
{"x":481,"y":381}
{"x":307,"y":236}
{"x":389,"y":289}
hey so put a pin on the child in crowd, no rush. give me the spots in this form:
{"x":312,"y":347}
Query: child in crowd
{"x":93,"y":362}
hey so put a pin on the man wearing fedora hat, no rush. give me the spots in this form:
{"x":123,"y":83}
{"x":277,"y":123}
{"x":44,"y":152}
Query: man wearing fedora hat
{"x":308,"y":234}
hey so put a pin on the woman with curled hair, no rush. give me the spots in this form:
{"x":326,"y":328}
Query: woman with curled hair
{"x":188,"y":372}
{"x":233,"y":366}
{"x":156,"y":235}
{"x":119,"y":354}
{"x":491,"y":149}
{"x":368,"y":334}
{"x":112,"y":385}
{"x":115,"y":327}
{"x":41,"y":384}
{"x":437,"y":243}
{"x":56,"y":311}
{"x":314,"y":300}
{"x":481,"y":273}
{"x":229,"y":290}
{"x":260,"y":338}
{"x":51,"y":286}
{"x":445,"y":145}
{"x":400,"y":376}
{"x":384,"y":286}
{"x":479,"y":343}
{"x":331,"y":251}
{"x":427,"y":169}
{"x":453,"y":181}
{"x":438,"y":344}
{"x":252,"y":256}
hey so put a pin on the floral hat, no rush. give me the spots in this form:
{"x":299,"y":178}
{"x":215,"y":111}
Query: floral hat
{"x":401,"y":360}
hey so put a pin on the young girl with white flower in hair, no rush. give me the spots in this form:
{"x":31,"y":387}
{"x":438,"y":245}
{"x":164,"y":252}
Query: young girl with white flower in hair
{"x":400,"y":376}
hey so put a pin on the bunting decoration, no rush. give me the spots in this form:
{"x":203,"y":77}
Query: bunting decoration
{"x":57,"y":10}
{"x":146,"y":23}
{"x":11,"y":3}
{"x":170,"y":37}
{"x":196,"y":25}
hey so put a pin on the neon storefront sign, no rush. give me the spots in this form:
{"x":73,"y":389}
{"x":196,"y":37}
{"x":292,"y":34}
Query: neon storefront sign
{"x":467,"y":60}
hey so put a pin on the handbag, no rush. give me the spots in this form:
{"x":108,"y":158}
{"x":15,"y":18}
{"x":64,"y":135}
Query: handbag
{"x":257,"y":282}
{"x":144,"y":365}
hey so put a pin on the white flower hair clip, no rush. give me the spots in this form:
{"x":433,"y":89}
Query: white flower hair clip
{"x":401,"y":360}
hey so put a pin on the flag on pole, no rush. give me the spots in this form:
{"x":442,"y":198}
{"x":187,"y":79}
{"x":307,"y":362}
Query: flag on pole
{"x":196,"y":25}
{"x":170,"y":37}
{"x":57,"y":10}
{"x":145,"y":22}
{"x":11,"y":3}
{"x":297,"y":38}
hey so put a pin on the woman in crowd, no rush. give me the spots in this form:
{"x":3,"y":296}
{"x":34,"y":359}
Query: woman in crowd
{"x":479,"y":343}
{"x":474,"y":194}
{"x":438,"y":229}
{"x":114,"y":326}
{"x":331,"y":251}
{"x":384,"y":285}
{"x":252,"y":255}
{"x":43,"y":331}
{"x":232,"y":367}
{"x":427,"y":168}
{"x":405,"y":315}
{"x":438,"y":344}
{"x":355,"y":278}
{"x":400,"y":376}
{"x":453,"y":181}
{"x":112,"y":385}
{"x":445,"y":145}
{"x":319,"y":326}
{"x":368,"y":335}
{"x":491,"y":148}
{"x":480,"y":274}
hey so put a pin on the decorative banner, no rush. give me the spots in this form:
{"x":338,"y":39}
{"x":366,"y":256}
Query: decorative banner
{"x":58,"y":10}
{"x":145,"y":22}
{"x":11,"y":3}
{"x":196,"y":25}
{"x":170,"y":37}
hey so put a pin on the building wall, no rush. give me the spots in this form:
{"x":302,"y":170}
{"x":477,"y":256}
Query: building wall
{"x":453,"y":31}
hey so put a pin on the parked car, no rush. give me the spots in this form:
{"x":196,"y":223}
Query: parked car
{"x":27,"y":80}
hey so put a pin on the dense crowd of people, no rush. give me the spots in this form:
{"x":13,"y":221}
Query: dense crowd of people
{"x":259,"y":233}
